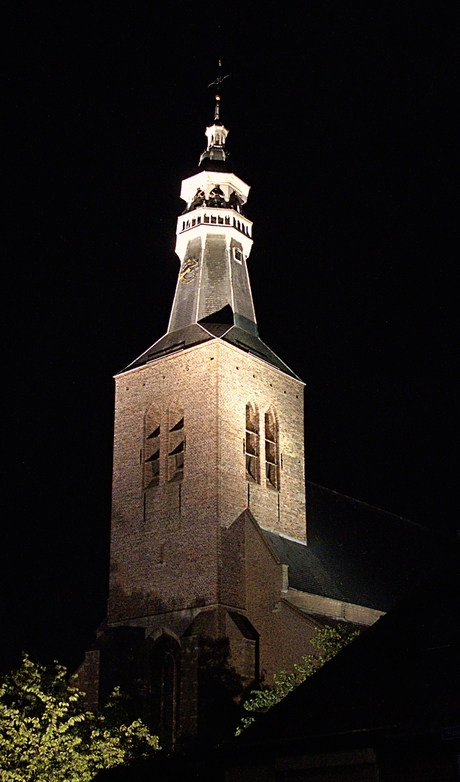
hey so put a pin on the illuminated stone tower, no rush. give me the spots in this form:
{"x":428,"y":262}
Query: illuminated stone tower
{"x":208,"y":421}
{"x":208,"y":516}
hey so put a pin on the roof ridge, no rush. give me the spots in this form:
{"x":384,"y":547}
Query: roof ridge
{"x":368,"y":505}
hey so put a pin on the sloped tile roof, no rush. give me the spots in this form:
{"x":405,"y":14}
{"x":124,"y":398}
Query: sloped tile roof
{"x":197,"y":333}
{"x":356,"y":553}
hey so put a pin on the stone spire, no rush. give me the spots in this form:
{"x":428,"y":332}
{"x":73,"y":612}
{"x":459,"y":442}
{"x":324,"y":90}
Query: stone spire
{"x":214,"y":240}
{"x":213,"y":298}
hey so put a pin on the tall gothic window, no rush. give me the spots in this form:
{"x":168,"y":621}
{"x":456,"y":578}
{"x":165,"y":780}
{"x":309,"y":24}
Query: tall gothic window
{"x":176,"y":444}
{"x":272,"y":473}
{"x":152,"y":447}
{"x":165,"y":688}
{"x":252,"y":450}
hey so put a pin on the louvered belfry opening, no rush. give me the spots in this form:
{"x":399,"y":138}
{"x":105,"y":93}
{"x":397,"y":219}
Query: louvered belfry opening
{"x":252,"y":447}
{"x":176,"y":444}
{"x":272,"y":450}
{"x":152,"y":432}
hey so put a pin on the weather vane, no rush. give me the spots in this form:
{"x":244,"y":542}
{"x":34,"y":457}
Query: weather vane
{"x":217,"y":82}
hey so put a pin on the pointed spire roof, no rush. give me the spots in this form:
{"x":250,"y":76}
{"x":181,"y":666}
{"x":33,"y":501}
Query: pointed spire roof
{"x":213,"y":299}
{"x":216,"y":152}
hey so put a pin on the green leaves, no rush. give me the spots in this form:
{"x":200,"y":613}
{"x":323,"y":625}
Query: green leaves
{"x":328,"y":641}
{"x":46,"y":732}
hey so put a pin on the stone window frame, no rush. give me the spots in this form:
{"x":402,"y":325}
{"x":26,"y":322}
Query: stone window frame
{"x":237,"y":251}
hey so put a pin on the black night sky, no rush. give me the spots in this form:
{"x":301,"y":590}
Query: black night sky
{"x":343,"y":120}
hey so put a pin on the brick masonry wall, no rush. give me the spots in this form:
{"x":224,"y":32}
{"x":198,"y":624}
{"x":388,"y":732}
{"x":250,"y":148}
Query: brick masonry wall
{"x":86,"y":679}
{"x":167,"y":552}
{"x":186,"y":557}
{"x":243,"y":379}
{"x":284,"y":631}
{"x":164,"y":540}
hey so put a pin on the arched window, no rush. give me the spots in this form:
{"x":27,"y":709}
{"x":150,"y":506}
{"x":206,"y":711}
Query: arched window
{"x":165,"y":688}
{"x":151,"y":451}
{"x":252,"y":449}
{"x":272,"y":473}
{"x":176,"y":444}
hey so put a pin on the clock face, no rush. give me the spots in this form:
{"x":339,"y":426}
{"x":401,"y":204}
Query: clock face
{"x":189,"y":269}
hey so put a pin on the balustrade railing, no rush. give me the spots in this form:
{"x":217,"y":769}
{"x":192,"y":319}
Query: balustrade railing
{"x":217,"y":219}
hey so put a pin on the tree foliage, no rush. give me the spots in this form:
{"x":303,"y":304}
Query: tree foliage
{"x":47,"y":734}
{"x":327,"y":642}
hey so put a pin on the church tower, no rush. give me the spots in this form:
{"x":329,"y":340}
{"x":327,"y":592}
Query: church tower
{"x":208,"y":533}
{"x":208,"y":421}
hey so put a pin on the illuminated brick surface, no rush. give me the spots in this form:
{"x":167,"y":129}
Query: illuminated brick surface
{"x":166,"y":541}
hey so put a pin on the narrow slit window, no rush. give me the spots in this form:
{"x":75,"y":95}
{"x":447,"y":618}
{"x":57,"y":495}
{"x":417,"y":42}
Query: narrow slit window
{"x":165,"y":669}
{"x":272,"y":473}
{"x":152,"y":432}
{"x":252,"y":448}
{"x":176,"y":445}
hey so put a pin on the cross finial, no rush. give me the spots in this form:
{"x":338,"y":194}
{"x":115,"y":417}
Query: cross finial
{"x":217,"y":83}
